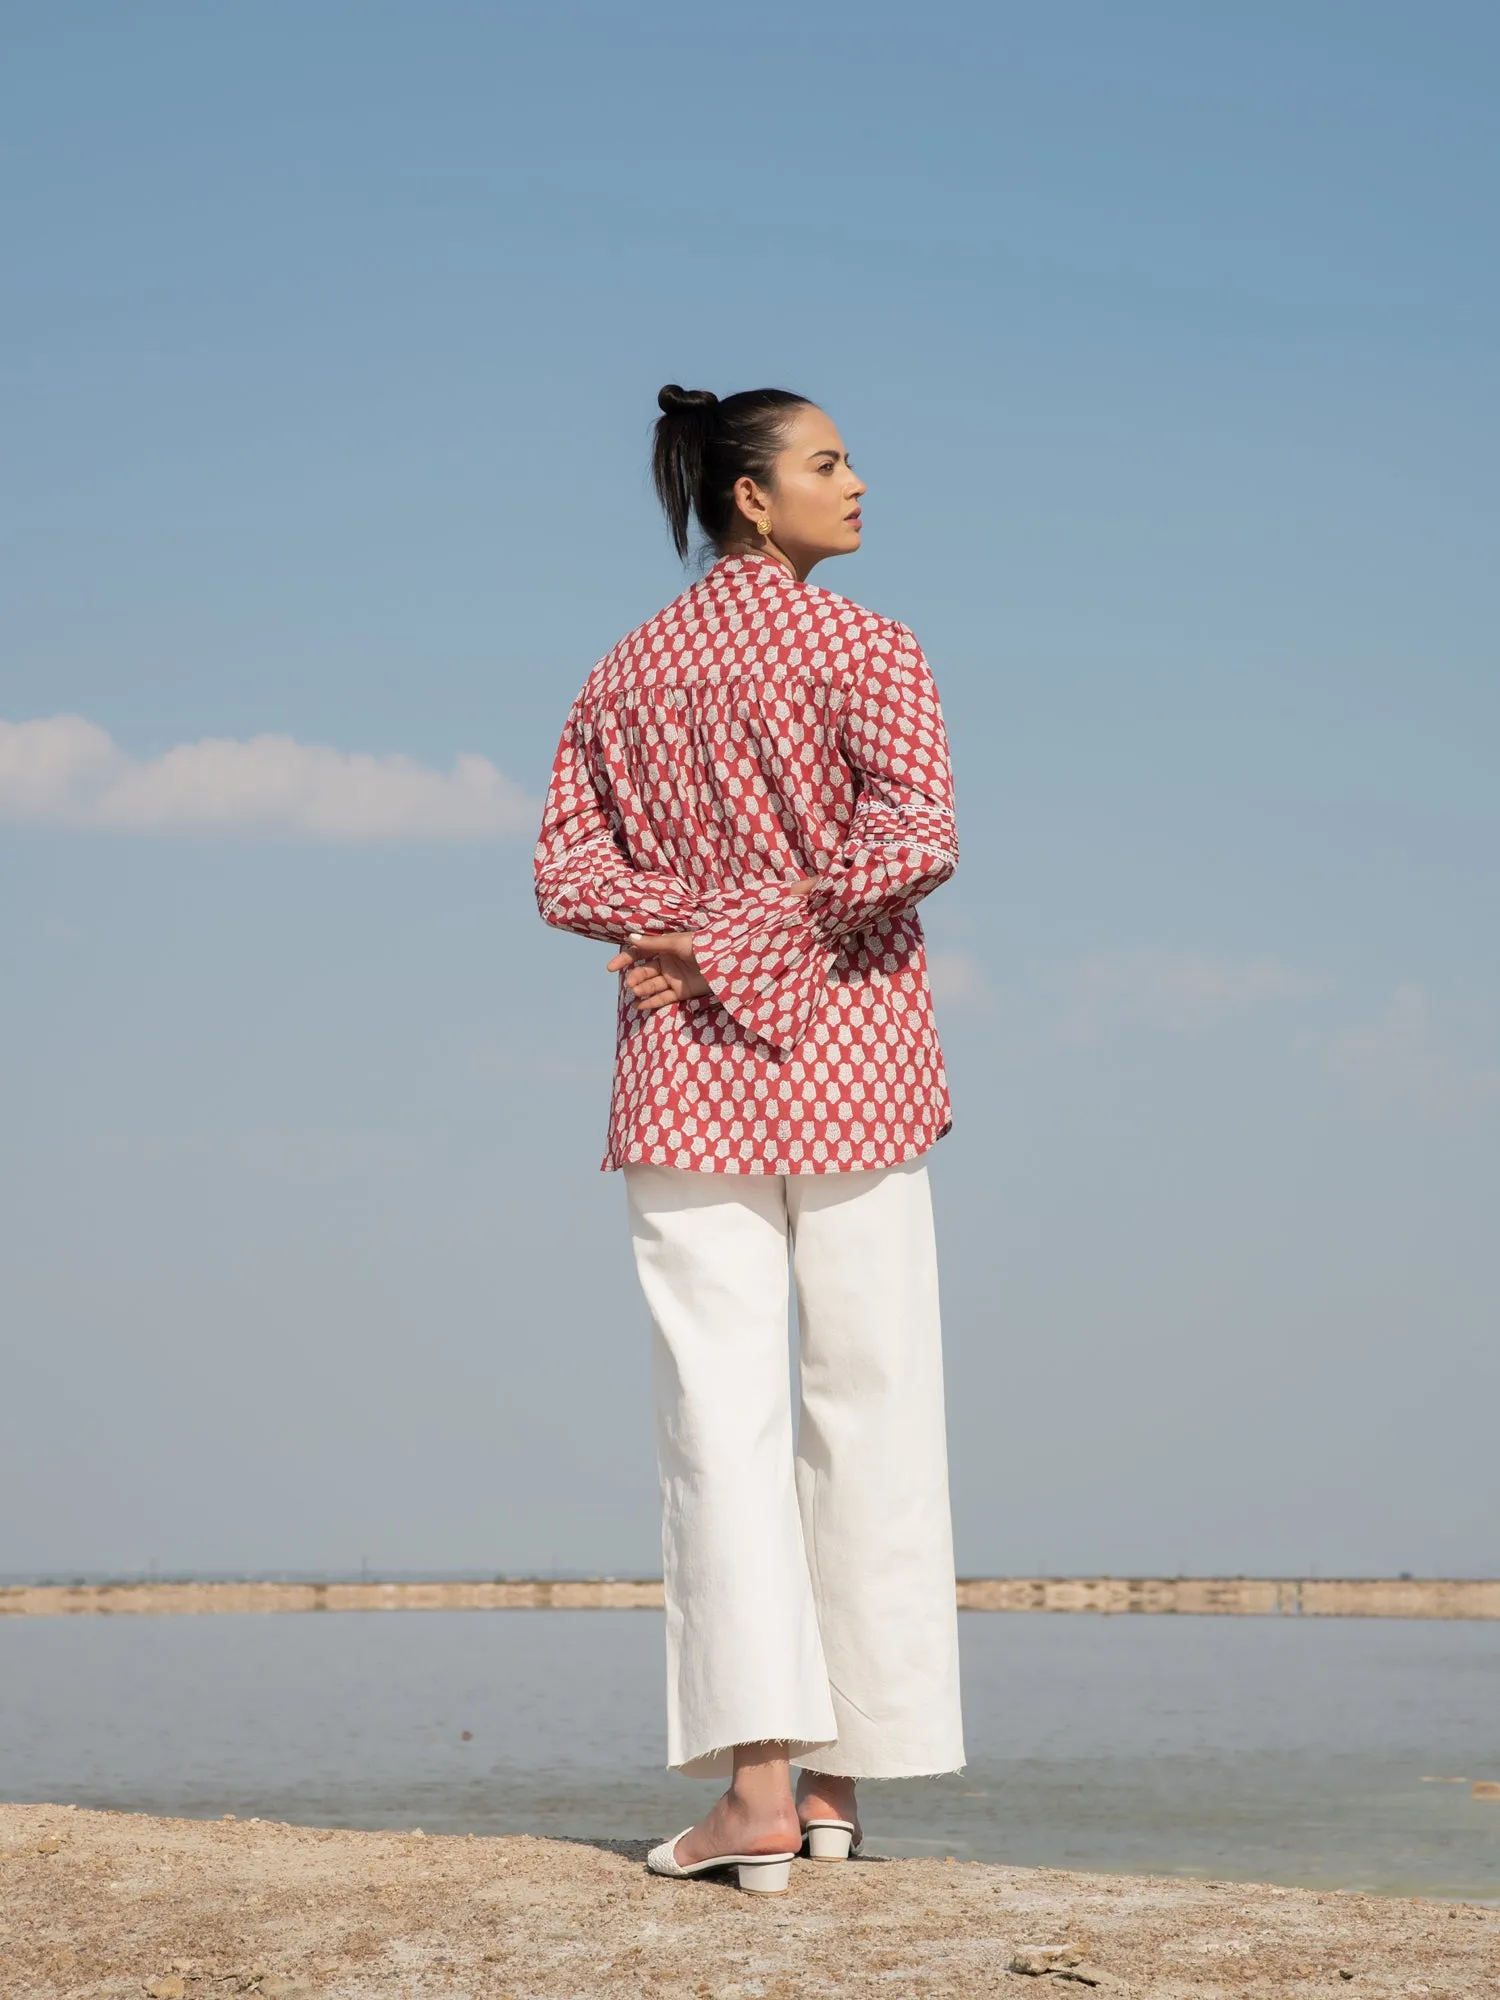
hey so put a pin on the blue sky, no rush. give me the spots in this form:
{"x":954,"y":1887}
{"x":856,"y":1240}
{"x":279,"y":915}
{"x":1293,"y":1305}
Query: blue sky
{"x":1165,"y":337}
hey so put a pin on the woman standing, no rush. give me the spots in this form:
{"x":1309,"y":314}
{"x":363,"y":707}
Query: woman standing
{"x":751,"y":795}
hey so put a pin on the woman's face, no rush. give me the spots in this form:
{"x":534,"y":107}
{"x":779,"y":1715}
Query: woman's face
{"x":814,"y":505}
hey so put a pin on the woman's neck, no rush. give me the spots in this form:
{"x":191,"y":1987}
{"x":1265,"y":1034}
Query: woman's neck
{"x":767,"y":550}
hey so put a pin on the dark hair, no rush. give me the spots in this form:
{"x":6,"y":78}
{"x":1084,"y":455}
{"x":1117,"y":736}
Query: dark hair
{"x":703,"y":446}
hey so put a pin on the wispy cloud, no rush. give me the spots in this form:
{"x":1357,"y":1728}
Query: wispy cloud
{"x":957,"y":979}
{"x":1179,"y":991}
{"x":1422,"y":1054}
{"x":62,"y":770}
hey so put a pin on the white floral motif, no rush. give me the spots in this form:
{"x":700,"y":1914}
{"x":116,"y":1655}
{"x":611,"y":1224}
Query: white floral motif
{"x":708,"y":763}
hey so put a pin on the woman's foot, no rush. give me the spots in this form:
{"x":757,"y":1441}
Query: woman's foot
{"x":822,"y":1797}
{"x":757,"y":1815}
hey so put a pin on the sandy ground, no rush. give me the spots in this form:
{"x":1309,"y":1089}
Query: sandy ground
{"x":119,"y":1904}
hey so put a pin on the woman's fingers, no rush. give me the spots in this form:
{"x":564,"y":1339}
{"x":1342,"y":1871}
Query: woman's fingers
{"x":648,"y":989}
{"x":659,"y":971}
{"x":678,"y":942}
{"x":637,"y":951}
{"x":648,"y":999}
{"x":634,"y":967}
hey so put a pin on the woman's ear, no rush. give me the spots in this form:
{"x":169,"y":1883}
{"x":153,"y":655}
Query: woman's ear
{"x":749,"y":499}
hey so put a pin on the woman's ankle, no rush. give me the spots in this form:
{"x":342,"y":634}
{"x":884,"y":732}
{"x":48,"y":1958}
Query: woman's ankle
{"x":837,"y":1793}
{"x":762,"y":1782}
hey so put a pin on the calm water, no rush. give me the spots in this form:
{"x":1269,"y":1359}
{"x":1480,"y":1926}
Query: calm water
{"x":1284,"y":1750}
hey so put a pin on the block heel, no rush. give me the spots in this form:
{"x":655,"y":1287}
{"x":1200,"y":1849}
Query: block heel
{"x":765,"y":1878}
{"x":829,"y":1839}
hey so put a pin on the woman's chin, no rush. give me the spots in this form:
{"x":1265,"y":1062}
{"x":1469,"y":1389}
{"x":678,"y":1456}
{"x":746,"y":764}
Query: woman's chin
{"x":845,"y":543}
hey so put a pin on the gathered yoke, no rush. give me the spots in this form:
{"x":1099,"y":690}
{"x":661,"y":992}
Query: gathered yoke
{"x":755,"y":732}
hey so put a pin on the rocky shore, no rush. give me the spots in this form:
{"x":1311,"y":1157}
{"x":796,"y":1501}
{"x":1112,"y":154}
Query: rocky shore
{"x":1109,"y":1596}
{"x":113,"y":1904}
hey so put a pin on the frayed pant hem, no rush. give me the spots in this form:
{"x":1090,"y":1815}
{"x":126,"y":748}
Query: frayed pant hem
{"x":817,"y":1769}
{"x":719,"y":1763}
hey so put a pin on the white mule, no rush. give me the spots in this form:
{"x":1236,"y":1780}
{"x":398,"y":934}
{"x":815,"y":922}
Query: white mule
{"x":760,"y":1874}
{"x":829,"y":1839}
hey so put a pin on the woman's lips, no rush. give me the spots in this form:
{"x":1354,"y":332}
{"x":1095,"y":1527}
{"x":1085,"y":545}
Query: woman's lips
{"x":855,"y":520}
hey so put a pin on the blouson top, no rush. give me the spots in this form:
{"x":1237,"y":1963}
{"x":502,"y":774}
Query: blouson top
{"x":755,"y":732}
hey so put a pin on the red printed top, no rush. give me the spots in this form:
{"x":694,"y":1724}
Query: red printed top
{"x":755,"y":732}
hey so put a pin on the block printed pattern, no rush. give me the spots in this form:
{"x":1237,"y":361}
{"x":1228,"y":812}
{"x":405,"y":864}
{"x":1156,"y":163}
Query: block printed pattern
{"x":757,"y":731}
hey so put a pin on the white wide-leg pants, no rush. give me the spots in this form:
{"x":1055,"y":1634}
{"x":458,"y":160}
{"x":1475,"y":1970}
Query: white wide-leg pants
{"x":809,"y":1588}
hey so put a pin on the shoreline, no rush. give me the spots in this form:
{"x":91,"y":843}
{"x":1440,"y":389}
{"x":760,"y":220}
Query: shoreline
{"x":117,"y":1904}
{"x":1253,"y":1597}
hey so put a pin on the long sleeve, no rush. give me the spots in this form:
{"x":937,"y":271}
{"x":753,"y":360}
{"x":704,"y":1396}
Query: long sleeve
{"x":585,"y":881}
{"x":766,"y":953}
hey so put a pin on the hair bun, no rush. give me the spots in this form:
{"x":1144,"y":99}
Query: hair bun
{"x":672,"y":399}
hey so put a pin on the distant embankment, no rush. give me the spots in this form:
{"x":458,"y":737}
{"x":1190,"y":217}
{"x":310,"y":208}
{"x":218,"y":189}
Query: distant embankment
{"x":1215,"y":1596}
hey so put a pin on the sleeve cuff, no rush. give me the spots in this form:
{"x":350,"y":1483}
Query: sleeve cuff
{"x":765,"y":963}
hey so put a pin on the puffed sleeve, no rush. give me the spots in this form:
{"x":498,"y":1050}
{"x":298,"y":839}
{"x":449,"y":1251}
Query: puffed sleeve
{"x":766,"y":953}
{"x":585,"y":881}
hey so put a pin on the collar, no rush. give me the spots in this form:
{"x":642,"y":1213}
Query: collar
{"x":750,"y":563}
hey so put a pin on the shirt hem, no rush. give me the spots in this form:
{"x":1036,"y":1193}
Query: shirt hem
{"x":640,"y":1155}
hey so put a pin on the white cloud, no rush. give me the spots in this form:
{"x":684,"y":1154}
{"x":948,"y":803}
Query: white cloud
{"x":956,"y":979}
{"x":1179,"y":991}
{"x":65,"y":771}
{"x":1421,"y":1054}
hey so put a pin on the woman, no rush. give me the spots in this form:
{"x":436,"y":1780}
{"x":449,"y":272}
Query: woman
{"x":751,"y":795}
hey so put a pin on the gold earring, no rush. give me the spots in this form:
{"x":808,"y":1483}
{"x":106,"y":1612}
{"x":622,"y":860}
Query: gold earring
{"x":764,"y":524}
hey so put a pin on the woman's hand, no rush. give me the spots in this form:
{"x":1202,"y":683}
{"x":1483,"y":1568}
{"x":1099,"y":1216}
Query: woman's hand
{"x":660,"y":971}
